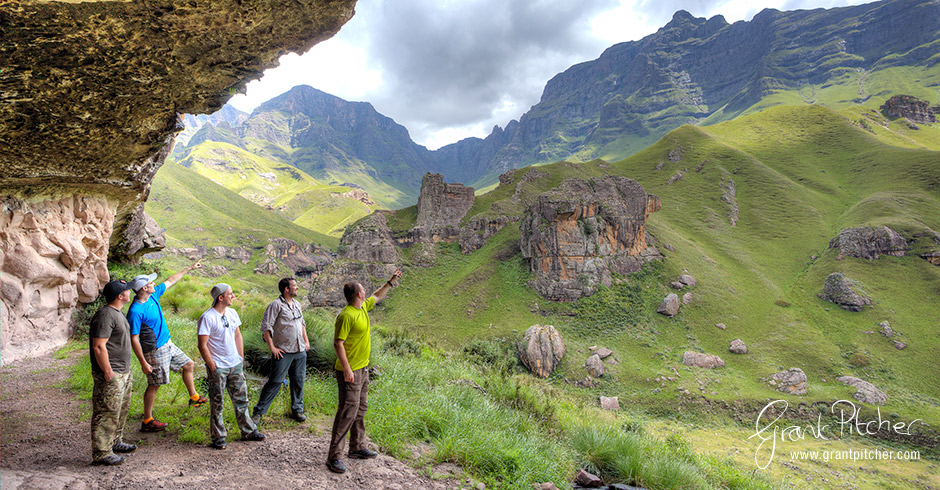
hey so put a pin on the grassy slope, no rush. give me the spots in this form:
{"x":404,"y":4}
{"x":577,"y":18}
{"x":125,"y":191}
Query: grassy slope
{"x":296,"y":195}
{"x":197,"y":211}
{"x":802,"y":174}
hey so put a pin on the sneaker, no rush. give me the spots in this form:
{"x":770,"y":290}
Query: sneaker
{"x":253,"y":436}
{"x":220,"y":444}
{"x":298,"y":416}
{"x":336,"y":466}
{"x":198,"y":403}
{"x":111,"y":460}
{"x":123,"y":447}
{"x":152,"y":426}
{"x":364,"y":453}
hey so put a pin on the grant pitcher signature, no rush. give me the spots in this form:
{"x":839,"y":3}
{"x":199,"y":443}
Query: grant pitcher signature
{"x":769,"y":431}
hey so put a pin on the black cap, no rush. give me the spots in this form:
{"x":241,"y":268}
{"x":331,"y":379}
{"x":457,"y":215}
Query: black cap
{"x":114,"y":288}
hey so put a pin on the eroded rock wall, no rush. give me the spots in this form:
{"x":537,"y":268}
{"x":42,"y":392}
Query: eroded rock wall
{"x":577,"y":235}
{"x":90,"y":94}
{"x":441,"y":205}
{"x":54,"y":254}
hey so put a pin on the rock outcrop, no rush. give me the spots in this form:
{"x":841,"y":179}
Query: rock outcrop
{"x":577,"y":235}
{"x":326,"y":289}
{"x":302,"y":260}
{"x":910,"y":107}
{"x":541,"y":349}
{"x":867,"y":392}
{"x":669,"y":306}
{"x":738,"y":347}
{"x":142,"y":236}
{"x":370,"y":240}
{"x":844,"y":292}
{"x":869,"y":243}
{"x":54,"y":255}
{"x":442,"y":205}
{"x":792,"y":381}
{"x":595,"y":366}
{"x":698,"y":359}
{"x":92,"y":92}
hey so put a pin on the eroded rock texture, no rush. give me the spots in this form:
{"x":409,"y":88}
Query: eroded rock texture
{"x":54,"y":254}
{"x":910,"y":107}
{"x":441,"y":206}
{"x":580,"y":233}
{"x":541,"y":349}
{"x":90,"y":94}
{"x":869,"y":242}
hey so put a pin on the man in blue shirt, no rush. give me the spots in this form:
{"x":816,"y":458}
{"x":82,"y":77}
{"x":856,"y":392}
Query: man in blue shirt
{"x":150,"y":339}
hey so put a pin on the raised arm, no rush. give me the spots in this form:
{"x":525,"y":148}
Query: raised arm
{"x":179,"y":275}
{"x":382,"y":291}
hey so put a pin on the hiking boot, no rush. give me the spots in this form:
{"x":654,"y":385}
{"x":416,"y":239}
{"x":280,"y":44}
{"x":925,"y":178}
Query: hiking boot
{"x":111,"y":460}
{"x":256,"y":416}
{"x":198,"y":403}
{"x":364,"y":453}
{"x":336,"y":466}
{"x":253,"y":436}
{"x":123,"y":447}
{"x":220,"y":444}
{"x":298,"y":416}
{"x":152,"y":426}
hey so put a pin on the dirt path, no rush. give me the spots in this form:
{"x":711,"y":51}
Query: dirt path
{"x":42,"y":446}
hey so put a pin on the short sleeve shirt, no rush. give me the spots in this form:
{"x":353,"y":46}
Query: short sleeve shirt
{"x":286,"y":323}
{"x":352,"y":327}
{"x":221,"y":331}
{"x":149,"y":315}
{"x":109,"y":323}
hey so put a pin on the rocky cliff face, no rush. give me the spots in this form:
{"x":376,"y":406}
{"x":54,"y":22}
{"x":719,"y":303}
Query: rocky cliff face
{"x":576,"y":235}
{"x":54,"y":254}
{"x":442,"y":206}
{"x":91,"y":93}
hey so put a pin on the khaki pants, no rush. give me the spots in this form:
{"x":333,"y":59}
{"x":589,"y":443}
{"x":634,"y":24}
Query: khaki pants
{"x":350,"y":413}
{"x":110,"y":402}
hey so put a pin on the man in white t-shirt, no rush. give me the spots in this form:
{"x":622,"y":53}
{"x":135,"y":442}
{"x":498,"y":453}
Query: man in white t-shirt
{"x":220,"y":343}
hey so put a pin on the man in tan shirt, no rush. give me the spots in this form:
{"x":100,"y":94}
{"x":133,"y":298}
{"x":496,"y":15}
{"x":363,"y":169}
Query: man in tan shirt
{"x":285,"y":331}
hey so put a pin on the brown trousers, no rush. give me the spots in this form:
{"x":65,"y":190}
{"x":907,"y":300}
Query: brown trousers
{"x":350,"y":413}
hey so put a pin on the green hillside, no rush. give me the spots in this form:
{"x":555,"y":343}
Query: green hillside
{"x":801,"y":175}
{"x":287,"y":190}
{"x":194,"y":210}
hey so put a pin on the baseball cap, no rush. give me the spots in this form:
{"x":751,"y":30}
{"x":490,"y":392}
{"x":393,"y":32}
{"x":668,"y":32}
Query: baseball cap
{"x":218,"y":290}
{"x":114,"y":288}
{"x":142,"y":280}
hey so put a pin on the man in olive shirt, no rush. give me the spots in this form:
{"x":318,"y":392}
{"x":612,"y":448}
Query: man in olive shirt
{"x":352,"y":342}
{"x":284,"y":330}
{"x":109,"y":342}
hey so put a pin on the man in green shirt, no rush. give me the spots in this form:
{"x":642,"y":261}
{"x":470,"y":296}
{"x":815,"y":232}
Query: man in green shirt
{"x":352,"y":342}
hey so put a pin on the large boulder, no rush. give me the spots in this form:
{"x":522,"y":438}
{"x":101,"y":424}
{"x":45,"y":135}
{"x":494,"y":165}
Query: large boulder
{"x":844,"y":292}
{"x":142,"y":236}
{"x":738,"y":347}
{"x":595,"y":366}
{"x":442,"y":205}
{"x":92,"y":94}
{"x":867,"y":392}
{"x":698,"y":359}
{"x":669,"y":306}
{"x":792,"y":381}
{"x":869,"y":243}
{"x":910,"y":107}
{"x":577,"y":235}
{"x":541,"y":349}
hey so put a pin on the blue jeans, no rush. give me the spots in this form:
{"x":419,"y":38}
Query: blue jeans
{"x":294,"y":365}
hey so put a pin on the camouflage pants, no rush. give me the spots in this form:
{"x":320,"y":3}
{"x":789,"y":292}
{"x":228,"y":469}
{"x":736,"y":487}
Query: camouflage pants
{"x":233,"y":380}
{"x":110,"y":401}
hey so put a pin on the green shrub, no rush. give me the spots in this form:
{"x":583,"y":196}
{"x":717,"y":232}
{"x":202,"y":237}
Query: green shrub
{"x":496,"y":354}
{"x":859,"y":360}
{"x":81,"y":318}
{"x":782,"y":303}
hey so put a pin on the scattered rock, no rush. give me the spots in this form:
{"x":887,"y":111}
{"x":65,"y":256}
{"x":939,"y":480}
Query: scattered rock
{"x":899,"y":345}
{"x":604,"y":352}
{"x":676,"y":285}
{"x":698,"y":359}
{"x":587,"y":480}
{"x":869,"y":243}
{"x":721,"y":326}
{"x":729,"y":195}
{"x":932,"y":257}
{"x":792,"y":381}
{"x":544,"y":486}
{"x":844,"y":292}
{"x":595,"y":366}
{"x":541,"y":349}
{"x":738,"y":347}
{"x":688,"y":280}
{"x":669,"y":306}
{"x":610,"y":403}
{"x":687,"y":298}
{"x":886,"y":329}
{"x":867,"y":392}
{"x":669,"y":247}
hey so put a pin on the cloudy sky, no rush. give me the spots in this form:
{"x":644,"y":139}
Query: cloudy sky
{"x":449,"y":69}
